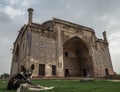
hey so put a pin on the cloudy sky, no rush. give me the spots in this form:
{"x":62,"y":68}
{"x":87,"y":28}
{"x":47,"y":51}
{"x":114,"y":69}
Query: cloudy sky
{"x":100,"y":15}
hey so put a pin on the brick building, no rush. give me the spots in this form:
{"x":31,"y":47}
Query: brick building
{"x":61,"y":48}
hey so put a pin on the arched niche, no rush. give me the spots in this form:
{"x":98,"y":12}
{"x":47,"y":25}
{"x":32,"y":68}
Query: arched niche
{"x":76,"y":58}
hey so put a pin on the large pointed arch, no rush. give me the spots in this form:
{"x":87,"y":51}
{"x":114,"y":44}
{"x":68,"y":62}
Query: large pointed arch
{"x":77,"y":61}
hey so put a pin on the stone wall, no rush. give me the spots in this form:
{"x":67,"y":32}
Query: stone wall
{"x":102,"y":60}
{"x":49,"y":43}
{"x":19,"y":51}
{"x":43,"y":51}
{"x":73,"y":62}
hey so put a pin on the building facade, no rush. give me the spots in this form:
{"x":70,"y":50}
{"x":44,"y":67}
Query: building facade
{"x":60,"y":48}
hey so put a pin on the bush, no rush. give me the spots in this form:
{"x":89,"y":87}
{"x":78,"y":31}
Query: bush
{"x":4,"y":76}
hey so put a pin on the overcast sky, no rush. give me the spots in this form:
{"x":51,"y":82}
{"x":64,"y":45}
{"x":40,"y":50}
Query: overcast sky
{"x":100,"y":15}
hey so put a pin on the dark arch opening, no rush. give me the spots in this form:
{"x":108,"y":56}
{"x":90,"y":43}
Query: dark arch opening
{"x":77,"y":62}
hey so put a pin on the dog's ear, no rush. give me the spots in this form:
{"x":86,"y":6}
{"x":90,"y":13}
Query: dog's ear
{"x":32,"y":67}
{"x":22,"y":68}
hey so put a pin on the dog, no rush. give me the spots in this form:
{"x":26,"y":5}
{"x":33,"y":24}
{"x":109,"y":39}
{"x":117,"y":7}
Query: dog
{"x":22,"y":81}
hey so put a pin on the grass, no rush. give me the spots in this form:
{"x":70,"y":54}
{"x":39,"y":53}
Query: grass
{"x":73,"y":86}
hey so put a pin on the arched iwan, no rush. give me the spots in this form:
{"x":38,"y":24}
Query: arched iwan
{"x":77,"y":61}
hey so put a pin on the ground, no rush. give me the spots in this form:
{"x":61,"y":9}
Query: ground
{"x":73,"y":85}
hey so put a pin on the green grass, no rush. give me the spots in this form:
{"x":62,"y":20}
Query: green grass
{"x":73,"y":86}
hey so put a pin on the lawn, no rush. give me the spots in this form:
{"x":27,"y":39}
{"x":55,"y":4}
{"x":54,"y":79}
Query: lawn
{"x":73,"y":86}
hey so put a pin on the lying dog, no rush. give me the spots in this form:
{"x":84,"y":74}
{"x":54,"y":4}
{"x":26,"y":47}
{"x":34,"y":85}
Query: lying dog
{"x":21,"y":81}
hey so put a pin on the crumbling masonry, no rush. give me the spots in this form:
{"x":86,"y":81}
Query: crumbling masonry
{"x":60,"y":48}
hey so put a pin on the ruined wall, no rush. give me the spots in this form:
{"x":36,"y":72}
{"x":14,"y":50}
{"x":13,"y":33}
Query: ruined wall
{"x":19,"y":51}
{"x":102,"y":60}
{"x":43,"y":50}
{"x":50,"y":42}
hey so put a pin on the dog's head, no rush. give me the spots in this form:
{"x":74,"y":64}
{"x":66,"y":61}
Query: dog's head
{"x":27,"y":73}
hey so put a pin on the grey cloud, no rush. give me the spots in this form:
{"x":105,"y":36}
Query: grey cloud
{"x":3,"y":3}
{"x":4,"y":18}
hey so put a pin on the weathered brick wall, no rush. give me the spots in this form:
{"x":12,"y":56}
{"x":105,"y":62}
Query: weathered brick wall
{"x":43,"y":51}
{"x":102,"y":60}
{"x":20,"y":48}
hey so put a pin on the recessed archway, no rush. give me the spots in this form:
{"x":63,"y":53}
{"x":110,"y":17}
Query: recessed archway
{"x":77,"y":61}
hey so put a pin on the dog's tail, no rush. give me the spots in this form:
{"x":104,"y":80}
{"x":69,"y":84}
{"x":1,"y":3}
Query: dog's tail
{"x":48,"y":88}
{"x":38,"y":89}
{"x":24,"y":88}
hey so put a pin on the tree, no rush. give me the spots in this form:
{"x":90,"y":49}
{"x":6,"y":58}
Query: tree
{"x":4,"y":76}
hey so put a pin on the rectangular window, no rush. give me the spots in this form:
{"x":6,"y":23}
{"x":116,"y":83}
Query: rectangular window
{"x":106,"y":71}
{"x":66,"y":54}
{"x":53,"y":70}
{"x":41,"y":69}
{"x":66,"y":72}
